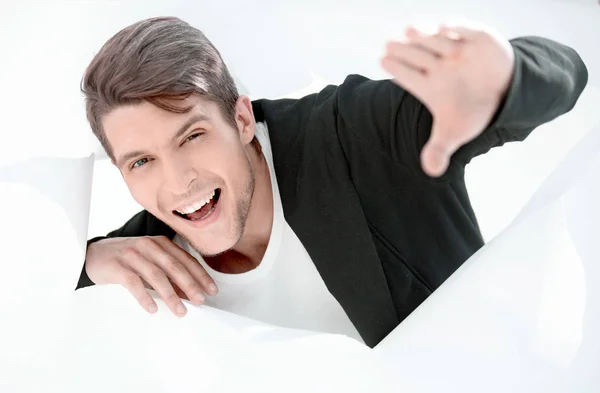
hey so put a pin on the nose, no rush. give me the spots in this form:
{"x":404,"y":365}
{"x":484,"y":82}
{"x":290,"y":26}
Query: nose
{"x":178,"y":175}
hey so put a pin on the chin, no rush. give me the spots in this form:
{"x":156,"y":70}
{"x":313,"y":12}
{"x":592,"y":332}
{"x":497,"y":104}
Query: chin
{"x":216,"y":249}
{"x":215,"y":241}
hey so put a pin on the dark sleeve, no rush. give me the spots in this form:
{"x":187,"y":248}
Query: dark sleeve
{"x":547,"y":81}
{"x":142,"y":224}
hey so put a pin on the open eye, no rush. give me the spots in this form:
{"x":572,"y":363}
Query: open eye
{"x":192,"y":137}
{"x":139,"y":163}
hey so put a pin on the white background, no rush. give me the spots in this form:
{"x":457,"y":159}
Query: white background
{"x":282,"y":49}
{"x":275,"y":49}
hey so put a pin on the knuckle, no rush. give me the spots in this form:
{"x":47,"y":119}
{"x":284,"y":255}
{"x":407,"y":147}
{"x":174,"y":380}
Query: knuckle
{"x":146,"y":241}
{"x":204,"y":274}
{"x":193,"y":288}
{"x":131,"y":280}
{"x":172,"y":298}
{"x":130,"y":252}
{"x":195,"y":268}
{"x":173,"y":265}
{"x":155,"y":274}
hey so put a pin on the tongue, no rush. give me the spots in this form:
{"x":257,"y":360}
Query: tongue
{"x":202,"y":212}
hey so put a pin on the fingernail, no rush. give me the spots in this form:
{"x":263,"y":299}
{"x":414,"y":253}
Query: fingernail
{"x":181,"y":309}
{"x":152,"y":308}
{"x":212,"y":288}
{"x":199,"y":297}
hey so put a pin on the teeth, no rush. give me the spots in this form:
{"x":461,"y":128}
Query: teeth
{"x":192,"y":208}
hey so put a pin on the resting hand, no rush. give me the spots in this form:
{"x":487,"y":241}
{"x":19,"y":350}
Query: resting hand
{"x":153,"y":262}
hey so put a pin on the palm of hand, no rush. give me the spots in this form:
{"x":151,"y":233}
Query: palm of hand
{"x":461,"y":75}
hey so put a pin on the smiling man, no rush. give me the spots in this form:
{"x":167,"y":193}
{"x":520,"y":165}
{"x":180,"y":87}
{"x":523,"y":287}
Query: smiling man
{"x":198,"y":178}
{"x":338,"y":212}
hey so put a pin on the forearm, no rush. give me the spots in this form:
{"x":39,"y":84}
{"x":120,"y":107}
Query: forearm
{"x":547,"y":81}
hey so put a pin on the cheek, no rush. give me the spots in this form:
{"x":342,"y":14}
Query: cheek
{"x":227,"y":160}
{"x":234,"y":166}
{"x":144,"y":191}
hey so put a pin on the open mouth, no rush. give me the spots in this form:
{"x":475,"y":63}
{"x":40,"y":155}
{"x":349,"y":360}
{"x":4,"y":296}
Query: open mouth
{"x":202,"y":211}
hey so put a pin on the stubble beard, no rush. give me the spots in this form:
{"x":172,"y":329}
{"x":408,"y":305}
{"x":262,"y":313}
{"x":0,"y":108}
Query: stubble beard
{"x":242,"y":210}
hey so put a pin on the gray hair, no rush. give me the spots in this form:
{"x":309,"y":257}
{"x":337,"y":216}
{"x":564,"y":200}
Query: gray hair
{"x":160,"y":60}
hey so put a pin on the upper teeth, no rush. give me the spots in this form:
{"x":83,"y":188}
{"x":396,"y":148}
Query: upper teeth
{"x":192,"y":208}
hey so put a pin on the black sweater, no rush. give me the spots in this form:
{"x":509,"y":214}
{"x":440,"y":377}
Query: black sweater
{"x":382,"y":234}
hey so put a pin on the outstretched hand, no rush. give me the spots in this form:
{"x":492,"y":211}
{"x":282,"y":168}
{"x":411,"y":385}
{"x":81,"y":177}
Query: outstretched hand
{"x":460,"y":73}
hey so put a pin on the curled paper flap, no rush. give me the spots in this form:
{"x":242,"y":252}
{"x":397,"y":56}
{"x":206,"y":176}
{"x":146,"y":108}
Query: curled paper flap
{"x":522,"y":314}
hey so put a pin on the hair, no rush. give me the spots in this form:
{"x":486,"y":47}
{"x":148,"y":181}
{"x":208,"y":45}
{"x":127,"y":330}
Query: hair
{"x":159,"y":60}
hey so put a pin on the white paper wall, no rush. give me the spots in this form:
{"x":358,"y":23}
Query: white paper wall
{"x":522,"y":314}
{"x":275,"y":49}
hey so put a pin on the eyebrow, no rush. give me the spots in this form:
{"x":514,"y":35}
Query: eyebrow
{"x":182,"y":130}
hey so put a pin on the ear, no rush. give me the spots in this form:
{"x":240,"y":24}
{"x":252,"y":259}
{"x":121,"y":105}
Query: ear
{"x":244,"y":118}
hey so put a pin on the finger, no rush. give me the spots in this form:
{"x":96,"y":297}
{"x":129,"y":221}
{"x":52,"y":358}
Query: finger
{"x":154,"y":276}
{"x":135,"y":286}
{"x":177,"y":290}
{"x":420,"y":28}
{"x":192,"y":265}
{"x":463,"y":30}
{"x":441,"y":45}
{"x":153,"y":250}
{"x":407,"y":77}
{"x":436,"y":154}
{"x":412,"y":55}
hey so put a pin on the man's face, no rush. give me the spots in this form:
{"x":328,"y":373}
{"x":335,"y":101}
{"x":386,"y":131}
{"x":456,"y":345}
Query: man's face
{"x":191,"y":171}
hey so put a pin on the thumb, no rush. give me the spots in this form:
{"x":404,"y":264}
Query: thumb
{"x":436,"y":154}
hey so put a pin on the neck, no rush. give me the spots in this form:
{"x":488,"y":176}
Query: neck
{"x":250,"y":250}
{"x":260,"y":216}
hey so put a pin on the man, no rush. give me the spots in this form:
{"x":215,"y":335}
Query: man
{"x":338,"y":212}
